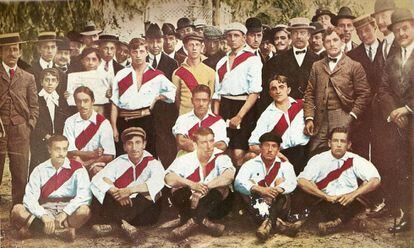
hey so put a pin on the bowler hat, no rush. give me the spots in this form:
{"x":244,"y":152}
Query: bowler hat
{"x":168,"y":29}
{"x":254,"y":24}
{"x":10,"y":39}
{"x":318,"y":28}
{"x":400,"y":15}
{"x":344,"y":13}
{"x":90,"y":29}
{"x":153,"y":31}
{"x":63,"y":43}
{"x":383,"y":5}
{"x":184,"y":22}
{"x":321,"y":12}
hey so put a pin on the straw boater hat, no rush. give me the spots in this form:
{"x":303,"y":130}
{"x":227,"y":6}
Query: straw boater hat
{"x":299,"y":23}
{"x":362,"y":21}
{"x":107,"y":38}
{"x":400,"y":15}
{"x":46,"y":36}
{"x":383,"y":5}
{"x":90,"y":29}
{"x":10,"y":39}
{"x":321,"y":12}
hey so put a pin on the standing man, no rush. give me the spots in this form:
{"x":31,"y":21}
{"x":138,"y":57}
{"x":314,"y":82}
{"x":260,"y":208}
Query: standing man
{"x":90,"y":34}
{"x":200,"y":183}
{"x":337,"y":93}
{"x":324,"y":17}
{"x":184,"y":27}
{"x":62,"y":58}
{"x":107,"y":49}
{"x":19,"y":111}
{"x":280,"y":38}
{"x":395,"y":93}
{"x":191,"y":73}
{"x":295,"y":63}
{"x":122,"y":54}
{"x":316,"y":41}
{"x":344,"y":22}
{"x":237,"y":87}
{"x":267,"y":48}
{"x":254,"y":36}
{"x":170,"y":40}
{"x":212,"y":38}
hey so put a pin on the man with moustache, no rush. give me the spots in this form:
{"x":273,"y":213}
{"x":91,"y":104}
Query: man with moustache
{"x":395,"y":93}
{"x":324,"y":17}
{"x":295,"y":63}
{"x":280,"y":38}
{"x":337,"y":94}
{"x":315,"y":41}
{"x":62,"y":57}
{"x":122,"y":54}
{"x":267,"y":48}
{"x":212,"y":38}
{"x":343,"y":20}
{"x":19,"y":111}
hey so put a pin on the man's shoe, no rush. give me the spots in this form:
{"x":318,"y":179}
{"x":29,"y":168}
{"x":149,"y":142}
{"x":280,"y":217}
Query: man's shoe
{"x":289,"y":229}
{"x":379,"y":210}
{"x":329,"y":227}
{"x":302,"y":216}
{"x":402,"y":226}
{"x":103,"y":230}
{"x":214,"y":229}
{"x":185,"y":230}
{"x":67,"y":234}
{"x":131,"y":232}
{"x":264,"y":229}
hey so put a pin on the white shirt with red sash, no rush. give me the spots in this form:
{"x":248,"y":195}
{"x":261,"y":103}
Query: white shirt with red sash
{"x":69,"y":183}
{"x":89,"y":135}
{"x":245,"y":76}
{"x":128,"y":95}
{"x":188,"y":123}
{"x":253,"y":172}
{"x":289,"y":126}
{"x":188,"y":166}
{"x":124,"y":173}
{"x":338,"y":176}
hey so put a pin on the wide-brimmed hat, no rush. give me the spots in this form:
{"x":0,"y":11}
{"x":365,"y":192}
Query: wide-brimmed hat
{"x":299,"y":23}
{"x":184,"y":22}
{"x":363,"y":20}
{"x":10,"y":39}
{"x":168,"y":29}
{"x":212,"y":33}
{"x":383,"y":5}
{"x":254,"y":24}
{"x":90,"y":29}
{"x":63,"y":43}
{"x":153,"y":31}
{"x":74,"y":36}
{"x":343,"y":13}
{"x":45,"y":36}
{"x":321,"y":12}
{"x":318,"y":28}
{"x":400,"y":15}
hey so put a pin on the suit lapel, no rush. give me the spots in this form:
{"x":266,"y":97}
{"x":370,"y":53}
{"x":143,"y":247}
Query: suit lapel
{"x":339,"y":64}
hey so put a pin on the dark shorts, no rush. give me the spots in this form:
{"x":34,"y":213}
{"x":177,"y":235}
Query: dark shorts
{"x":238,"y":137}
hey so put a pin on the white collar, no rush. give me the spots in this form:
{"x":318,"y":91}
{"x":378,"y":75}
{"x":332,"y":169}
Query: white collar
{"x":337,"y":57}
{"x":409,"y":48}
{"x":144,"y":154}
{"x":7,"y":68}
{"x":297,"y":49}
{"x":343,"y":158}
{"x":91,"y":119}
{"x":157,"y":57}
{"x":66,"y":164}
{"x":390,"y":38}
{"x":209,"y":112}
{"x":244,"y":49}
{"x":54,"y":97}
{"x":44,"y":64}
{"x":374,"y":45}
{"x":274,"y":108}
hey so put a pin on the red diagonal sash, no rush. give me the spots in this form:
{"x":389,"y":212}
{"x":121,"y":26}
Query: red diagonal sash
{"x":150,"y":74}
{"x":207,"y":122}
{"x":86,"y":135}
{"x":335,"y":174}
{"x":58,"y":179}
{"x":237,"y":61}
{"x":271,"y":175}
{"x":187,"y":77}
{"x":128,"y":177}
{"x":282,"y":125}
{"x":124,"y":84}
{"x":195,"y":176}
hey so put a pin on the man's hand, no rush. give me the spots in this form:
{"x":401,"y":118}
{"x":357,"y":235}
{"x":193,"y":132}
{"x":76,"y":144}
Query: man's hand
{"x":331,"y":199}
{"x":235,"y":122}
{"x":116,"y":134}
{"x":347,"y":198}
{"x":96,"y":167}
{"x":309,"y":128}
{"x":268,"y":192}
{"x":282,"y":156}
{"x":121,"y":194}
{"x":199,"y":187}
{"x":60,"y":218}
{"x":49,"y":224}
{"x":125,"y":202}
{"x":98,"y":152}
{"x":108,"y":93}
{"x":401,"y":121}
{"x":399,"y":112}
{"x":66,"y":94}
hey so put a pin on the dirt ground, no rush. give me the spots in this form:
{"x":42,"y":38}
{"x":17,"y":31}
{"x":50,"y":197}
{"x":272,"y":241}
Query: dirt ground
{"x":239,"y":233}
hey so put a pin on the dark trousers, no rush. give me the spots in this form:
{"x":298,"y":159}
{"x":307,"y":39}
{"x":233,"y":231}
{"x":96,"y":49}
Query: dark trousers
{"x":142,"y":212}
{"x":332,"y":211}
{"x":278,"y":209}
{"x":211,"y":206}
{"x":16,"y":145}
{"x":297,"y":157}
{"x":145,"y":123}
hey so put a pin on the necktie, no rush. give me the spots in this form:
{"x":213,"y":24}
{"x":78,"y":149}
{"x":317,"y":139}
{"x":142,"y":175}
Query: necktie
{"x":404,"y":55}
{"x":346,"y":49}
{"x":154,"y":63}
{"x":385,"y":52}
{"x":106,"y":67}
{"x":11,"y":74}
{"x":370,"y":53}
{"x":300,"y":51}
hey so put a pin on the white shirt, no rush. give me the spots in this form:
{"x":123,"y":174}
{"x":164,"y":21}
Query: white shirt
{"x":320,"y":51}
{"x":187,"y":164}
{"x":348,"y":46}
{"x":319,"y":166}
{"x":77,"y":187}
{"x":44,"y":64}
{"x":151,"y":58}
{"x":299,"y":57}
{"x":171,"y":55}
{"x":110,"y":73}
{"x":7,"y":68}
{"x":388,"y":40}
{"x":332,"y":64}
{"x":52,"y":100}
{"x":152,"y":176}
{"x":254,"y":171}
{"x":103,"y":138}
{"x":188,"y":120}
{"x":246,"y":78}
{"x":141,"y":96}
{"x":374,"y":48}
{"x":407,"y":54}
{"x":293,"y":135}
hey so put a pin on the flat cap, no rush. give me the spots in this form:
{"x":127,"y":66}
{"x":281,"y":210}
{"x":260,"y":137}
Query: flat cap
{"x":235,"y":26}
{"x":138,"y":131}
{"x":193,"y":36}
{"x":212,"y":33}
{"x":270,"y":137}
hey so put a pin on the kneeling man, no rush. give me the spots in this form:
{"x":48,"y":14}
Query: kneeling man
{"x":265,"y":183}
{"x":333,"y":177}
{"x":129,"y":187}
{"x":200,"y":183}
{"x":57,"y":197}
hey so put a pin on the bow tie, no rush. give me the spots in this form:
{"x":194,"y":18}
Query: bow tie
{"x":332,"y":59}
{"x":300,"y":51}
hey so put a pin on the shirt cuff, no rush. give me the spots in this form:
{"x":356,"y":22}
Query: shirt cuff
{"x":309,"y":118}
{"x":353,"y":115}
{"x":409,"y":109}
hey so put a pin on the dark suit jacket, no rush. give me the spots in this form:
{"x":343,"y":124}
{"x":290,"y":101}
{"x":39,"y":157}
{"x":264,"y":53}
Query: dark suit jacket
{"x":212,"y":60}
{"x":37,"y":69}
{"x":23,"y":94}
{"x":117,"y":66}
{"x":349,"y":81}
{"x":180,"y":56}
{"x":286,"y":65}
{"x":166,"y":65}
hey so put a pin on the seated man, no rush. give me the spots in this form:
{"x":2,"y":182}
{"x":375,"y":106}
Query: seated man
{"x":201,"y":116}
{"x":89,"y":133}
{"x":57,"y":196}
{"x":265,"y":183}
{"x":333,"y":177}
{"x":283,"y":117}
{"x":129,"y":187}
{"x":200,"y":183}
